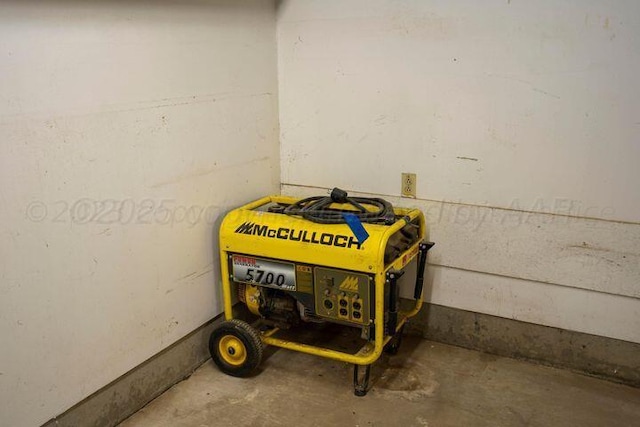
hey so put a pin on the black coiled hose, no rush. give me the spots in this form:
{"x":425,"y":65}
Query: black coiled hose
{"x":318,"y":209}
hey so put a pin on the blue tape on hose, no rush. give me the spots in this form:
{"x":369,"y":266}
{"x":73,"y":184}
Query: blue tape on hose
{"x":356,"y":227}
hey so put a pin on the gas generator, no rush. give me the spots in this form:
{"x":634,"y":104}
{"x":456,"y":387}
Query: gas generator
{"x":326,"y":259}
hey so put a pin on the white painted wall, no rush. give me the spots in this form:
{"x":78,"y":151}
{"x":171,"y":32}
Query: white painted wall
{"x":522,"y":121}
{"x":126,"y":129}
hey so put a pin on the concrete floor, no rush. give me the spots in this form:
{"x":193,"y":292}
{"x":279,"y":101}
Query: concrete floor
{"x":426,"y":384}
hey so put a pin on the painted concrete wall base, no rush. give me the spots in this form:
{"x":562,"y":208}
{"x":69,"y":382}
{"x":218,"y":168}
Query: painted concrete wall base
{"x":132,"y":391}
{"x":608,"y":358}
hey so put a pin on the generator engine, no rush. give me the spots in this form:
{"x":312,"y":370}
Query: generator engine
{"x":325,"y":259}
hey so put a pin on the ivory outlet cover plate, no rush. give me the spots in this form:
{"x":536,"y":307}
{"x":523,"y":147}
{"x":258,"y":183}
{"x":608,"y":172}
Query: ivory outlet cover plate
{"x":408,"y":188}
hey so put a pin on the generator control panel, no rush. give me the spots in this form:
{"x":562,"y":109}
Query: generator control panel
{"x":342,"y":295}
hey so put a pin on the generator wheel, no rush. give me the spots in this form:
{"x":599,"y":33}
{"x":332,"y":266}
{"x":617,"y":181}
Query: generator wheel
{"x":236,"y":348}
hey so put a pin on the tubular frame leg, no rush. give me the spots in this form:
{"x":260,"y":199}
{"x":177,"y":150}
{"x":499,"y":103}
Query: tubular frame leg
{"x":361,"y":385}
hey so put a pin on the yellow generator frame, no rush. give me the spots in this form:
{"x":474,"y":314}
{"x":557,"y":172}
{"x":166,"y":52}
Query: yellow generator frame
{"x":250,"y":230}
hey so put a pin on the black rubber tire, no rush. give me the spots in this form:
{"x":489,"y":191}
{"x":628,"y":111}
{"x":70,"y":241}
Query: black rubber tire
{"x":249,"y":337}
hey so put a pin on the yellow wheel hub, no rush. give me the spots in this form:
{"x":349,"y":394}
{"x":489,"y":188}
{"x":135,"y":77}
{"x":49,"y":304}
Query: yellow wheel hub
{"x":232,"y":350}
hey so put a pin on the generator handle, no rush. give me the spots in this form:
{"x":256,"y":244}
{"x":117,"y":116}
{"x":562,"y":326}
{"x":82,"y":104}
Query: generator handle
{"x":392,"y":281}
{"x":422,"y":262}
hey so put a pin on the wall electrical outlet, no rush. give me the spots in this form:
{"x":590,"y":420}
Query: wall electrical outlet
{"x":408,"y":188}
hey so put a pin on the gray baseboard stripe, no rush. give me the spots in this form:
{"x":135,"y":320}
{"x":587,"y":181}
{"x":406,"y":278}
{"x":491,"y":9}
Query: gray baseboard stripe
{"x":132,"y":391}
{"x":607,"y":358}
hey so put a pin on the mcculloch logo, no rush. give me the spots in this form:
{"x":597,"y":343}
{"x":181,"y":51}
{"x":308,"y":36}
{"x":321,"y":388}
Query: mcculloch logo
{"x":284,"y":233}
